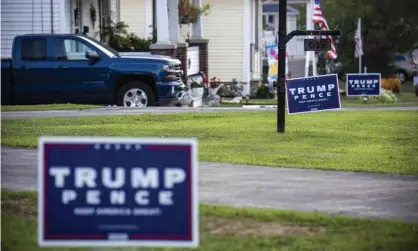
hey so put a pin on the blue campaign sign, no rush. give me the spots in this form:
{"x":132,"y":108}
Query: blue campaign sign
{"x":312,"y":94}
{"x":363,"y":84}
{"x":96,"y":191}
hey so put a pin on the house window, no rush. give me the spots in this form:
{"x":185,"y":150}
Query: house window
{"x":270,"y":18}
{"x":34,"y":49}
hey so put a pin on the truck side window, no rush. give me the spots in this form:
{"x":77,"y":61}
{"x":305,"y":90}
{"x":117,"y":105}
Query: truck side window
{"x":71,"y":49}
{"x":33,"y":49}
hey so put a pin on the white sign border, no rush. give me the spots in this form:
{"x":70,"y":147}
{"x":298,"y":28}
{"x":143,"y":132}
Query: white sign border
{"x":327,"y":75}
{"x":356,"y":74}
{"x":121,"y":140}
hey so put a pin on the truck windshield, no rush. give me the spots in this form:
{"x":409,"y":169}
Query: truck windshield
{"x":106,"y":49}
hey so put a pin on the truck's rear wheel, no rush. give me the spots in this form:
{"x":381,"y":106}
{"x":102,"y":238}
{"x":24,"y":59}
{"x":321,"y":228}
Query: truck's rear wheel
{"x":135,"y":94}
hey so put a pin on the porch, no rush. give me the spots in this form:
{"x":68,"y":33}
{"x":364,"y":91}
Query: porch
{"x":192,"y":52}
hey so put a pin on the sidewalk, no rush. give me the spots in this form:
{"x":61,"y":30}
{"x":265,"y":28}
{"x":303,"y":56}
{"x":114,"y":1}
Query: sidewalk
{"x":355,"y":194}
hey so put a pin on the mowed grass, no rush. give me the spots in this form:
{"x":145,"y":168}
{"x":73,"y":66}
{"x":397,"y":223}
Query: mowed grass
{"x":370,"y":141}
{"x":236,"y":229}
{"x":7,"y":108}
{"x":404,"y":99}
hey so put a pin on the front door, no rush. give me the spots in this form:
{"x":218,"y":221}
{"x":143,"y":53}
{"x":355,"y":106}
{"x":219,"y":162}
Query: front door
{"x":79,"y":77}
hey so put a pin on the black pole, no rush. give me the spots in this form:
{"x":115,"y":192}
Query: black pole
{"x":281,"y":88}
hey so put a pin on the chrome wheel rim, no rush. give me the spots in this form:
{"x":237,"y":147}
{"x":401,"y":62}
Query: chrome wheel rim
{"x":135,"y":97}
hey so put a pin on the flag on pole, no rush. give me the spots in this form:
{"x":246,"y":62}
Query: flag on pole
{"x":319,"y":18}
{"x":358,"y":40}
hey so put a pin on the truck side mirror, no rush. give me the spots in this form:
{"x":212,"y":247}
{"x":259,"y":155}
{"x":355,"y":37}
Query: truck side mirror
{"x":92,"y":55}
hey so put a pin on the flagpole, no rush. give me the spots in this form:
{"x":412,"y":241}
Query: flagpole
{"x":307,"y":53}
{"x":360,"y":54}
{"x":312,"y":27}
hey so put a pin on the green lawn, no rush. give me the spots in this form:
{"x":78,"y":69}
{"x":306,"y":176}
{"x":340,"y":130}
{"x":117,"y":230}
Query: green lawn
{"x":6,"y":108}
{"x":236,"y":229}
{"x":404,"y":99}
{"x":370,"y":141}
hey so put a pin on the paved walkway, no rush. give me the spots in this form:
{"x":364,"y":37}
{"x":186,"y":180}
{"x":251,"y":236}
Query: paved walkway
{"x":161,"y":110}
{"x":356,"y":194}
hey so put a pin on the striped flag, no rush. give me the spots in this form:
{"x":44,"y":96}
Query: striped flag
{"x":319,"y":18}
{"x":358,"y":40}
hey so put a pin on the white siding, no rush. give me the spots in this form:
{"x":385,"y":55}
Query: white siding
{"x":224,"y":29}
{"x":133,"y":13}
{"x":295,"y":45}
{"x":25,"y":17}
{"x":67,"y":17}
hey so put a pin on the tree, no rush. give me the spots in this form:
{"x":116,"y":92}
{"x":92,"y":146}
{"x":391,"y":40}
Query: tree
{"x":388,"y":26}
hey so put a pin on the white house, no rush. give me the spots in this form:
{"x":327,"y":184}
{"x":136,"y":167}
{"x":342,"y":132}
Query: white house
{"x":295,"y":47}
{"x":52,"y":16}
{"x":232,"y":33}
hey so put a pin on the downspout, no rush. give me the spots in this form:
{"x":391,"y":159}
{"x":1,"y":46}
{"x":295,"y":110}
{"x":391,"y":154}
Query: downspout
{"x":42,"y":18}
{"x":52,"y":16}
{"x":154,"y":19}
{"x":80,"y":16}
{"x":100,"y":20}
{"x":257,"y":29}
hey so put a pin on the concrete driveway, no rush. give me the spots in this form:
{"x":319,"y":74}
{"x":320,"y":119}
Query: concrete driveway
{"x":355,"y":194}
{"x":160,"y":110}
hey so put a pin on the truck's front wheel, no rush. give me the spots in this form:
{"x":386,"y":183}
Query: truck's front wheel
{"x":135,"y":94}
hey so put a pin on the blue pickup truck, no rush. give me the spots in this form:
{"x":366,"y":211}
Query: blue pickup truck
{"x":57,"y":68}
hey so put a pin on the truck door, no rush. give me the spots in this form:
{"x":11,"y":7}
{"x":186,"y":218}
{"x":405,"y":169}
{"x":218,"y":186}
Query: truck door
{"x":79,"y":77}
{"x":30,"y":70}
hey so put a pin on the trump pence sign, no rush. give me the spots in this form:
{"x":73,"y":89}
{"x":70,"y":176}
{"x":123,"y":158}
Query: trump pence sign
{"x":313,"y":94}
{"x":96,"y":191}
{"x":363,"y":84}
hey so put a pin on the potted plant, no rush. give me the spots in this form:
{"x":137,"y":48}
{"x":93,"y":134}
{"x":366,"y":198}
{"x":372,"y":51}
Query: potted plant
{"x":197,"y":89}
{"x":214,"y":85}
{"x":188,"y":12}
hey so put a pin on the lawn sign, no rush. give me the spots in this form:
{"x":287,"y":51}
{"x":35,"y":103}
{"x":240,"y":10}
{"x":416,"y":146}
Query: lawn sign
{"x":363,"y":84}
{"x":98,"y":191}
{"x":313,"y":94}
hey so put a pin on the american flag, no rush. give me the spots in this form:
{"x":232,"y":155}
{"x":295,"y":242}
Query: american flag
{"x":358,"y":40}
{"x":319,"y":18}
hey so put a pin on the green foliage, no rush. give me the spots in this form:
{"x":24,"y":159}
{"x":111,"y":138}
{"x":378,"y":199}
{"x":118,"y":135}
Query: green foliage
{"x":116,"y":35}
{"x":196,"y":84}
{"x":189,"y":12}
{"x":387,"y":26}
{"x":386,"y":96}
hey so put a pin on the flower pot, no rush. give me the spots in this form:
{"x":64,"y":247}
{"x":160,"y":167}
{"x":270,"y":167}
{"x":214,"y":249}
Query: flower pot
{"x":184,"y":20}
{"x":197,"y":92}
{"x":213,"y":91}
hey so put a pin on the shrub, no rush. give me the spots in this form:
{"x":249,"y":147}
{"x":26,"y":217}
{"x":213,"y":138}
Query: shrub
{"x":139,"y":44}
{"x":391,"y":84}
{"x":264,"y":92}
{"x":386,"y":96}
